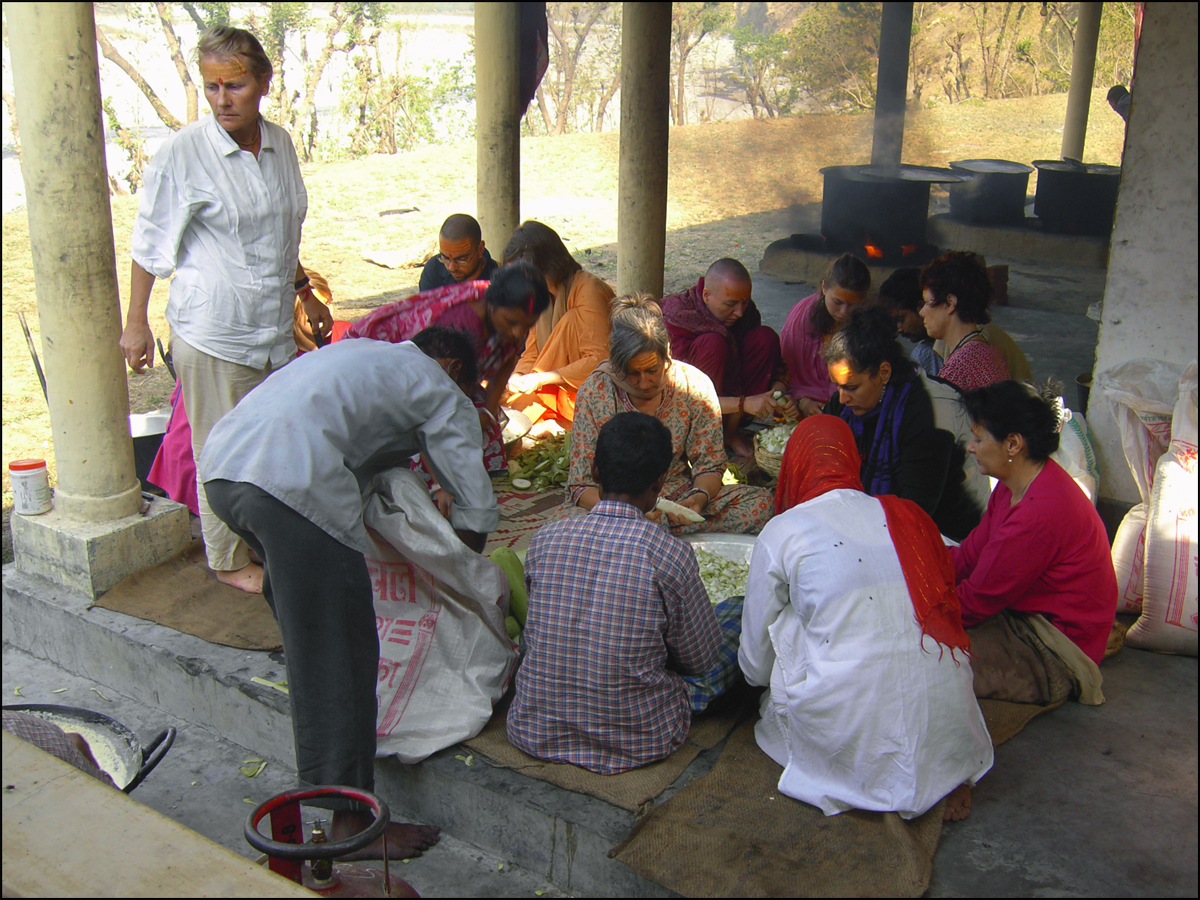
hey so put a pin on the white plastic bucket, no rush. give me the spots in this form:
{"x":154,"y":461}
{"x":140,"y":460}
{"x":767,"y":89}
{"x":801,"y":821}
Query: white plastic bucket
{"x":30,"y":486}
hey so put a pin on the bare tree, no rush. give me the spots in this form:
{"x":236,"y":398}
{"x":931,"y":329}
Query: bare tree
{"x":189,"y":86}
{"x":111,"y":54}
{"x":569,"y":26}
{"x":11,"y":102}
{"x":690,"y":24}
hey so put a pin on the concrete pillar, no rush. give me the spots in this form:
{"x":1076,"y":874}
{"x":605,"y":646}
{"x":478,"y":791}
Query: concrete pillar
{"x":498,"y":121}
{"x":891,"y":93}
{"x":1083,"y":69}
{"x":1150,"y":295}
{"x":56,"y":80}
{"x":645,"y":111}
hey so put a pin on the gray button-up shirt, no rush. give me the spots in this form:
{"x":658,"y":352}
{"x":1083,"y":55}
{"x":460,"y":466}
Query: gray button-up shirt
{"x":315,"y":431}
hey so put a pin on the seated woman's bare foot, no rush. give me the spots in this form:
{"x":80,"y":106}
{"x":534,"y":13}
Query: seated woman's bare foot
{"x":404,"y":841}
{"x":958,"y":804}
{"x":739,"y":443}
{"x":249,"y":578}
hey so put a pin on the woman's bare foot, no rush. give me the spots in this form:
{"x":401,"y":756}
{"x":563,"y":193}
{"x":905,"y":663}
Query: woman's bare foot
{"x":404,"y":841}
{"x":249,"y":578}
{"x":958,"y":804}
{"x":741,"y":445}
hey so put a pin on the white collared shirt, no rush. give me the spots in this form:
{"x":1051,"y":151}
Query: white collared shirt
{"x":228,"y":226}
{"x":314,"y":433}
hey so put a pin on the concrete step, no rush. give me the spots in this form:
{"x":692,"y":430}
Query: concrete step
{"x":555,"y":834}
{"x":198,"y":784}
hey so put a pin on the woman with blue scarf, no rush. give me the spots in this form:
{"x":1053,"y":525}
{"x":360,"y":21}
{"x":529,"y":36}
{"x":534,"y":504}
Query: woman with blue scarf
{"x":884,"y":400}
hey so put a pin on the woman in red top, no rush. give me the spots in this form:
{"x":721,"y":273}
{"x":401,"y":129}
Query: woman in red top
{"x":1041,"y":547}
{"x":957,"y":291}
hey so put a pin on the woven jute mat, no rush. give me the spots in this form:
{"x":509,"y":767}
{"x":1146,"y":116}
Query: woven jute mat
{"x":522,"y":513}
{"x":732,"y":834}
{"x":182,"y":593}
{"x":630,"y":790}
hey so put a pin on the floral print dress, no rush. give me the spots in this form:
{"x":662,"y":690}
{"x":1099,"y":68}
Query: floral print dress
{"x":691,"y":412}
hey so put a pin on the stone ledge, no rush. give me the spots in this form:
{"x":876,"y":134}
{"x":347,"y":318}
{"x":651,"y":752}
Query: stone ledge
{"x":91,"y":557}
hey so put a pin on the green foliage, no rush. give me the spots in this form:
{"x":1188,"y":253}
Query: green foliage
{"x":761,"y":60}
{"x":133,"y":145}
{"x":394,"y":112}
{"x":833,"y":54}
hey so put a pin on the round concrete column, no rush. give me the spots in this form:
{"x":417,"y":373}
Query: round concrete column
{"x":498,"y":121}
{"x":1083,"y":70}
{"x":57,"y":84}
{"x":891,"y":93}
{"x":645,"y":110}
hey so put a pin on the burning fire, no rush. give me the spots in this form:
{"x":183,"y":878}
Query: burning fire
{"x":908,"y":249}
{"x":873,"y":252}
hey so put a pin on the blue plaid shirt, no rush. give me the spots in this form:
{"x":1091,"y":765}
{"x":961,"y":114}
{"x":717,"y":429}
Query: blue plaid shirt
{"x":617,"y":614}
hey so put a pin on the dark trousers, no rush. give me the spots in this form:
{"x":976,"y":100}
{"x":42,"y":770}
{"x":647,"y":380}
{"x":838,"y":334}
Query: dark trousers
{"x":320,"y":592}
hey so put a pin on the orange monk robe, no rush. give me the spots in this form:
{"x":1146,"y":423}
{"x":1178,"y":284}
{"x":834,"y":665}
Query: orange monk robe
{"x":577,"y":342}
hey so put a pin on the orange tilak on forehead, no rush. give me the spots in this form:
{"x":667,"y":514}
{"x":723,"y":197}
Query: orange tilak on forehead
{"x":643,"y":361}
{"x":221,"y":70}
{"x":455,"y":249}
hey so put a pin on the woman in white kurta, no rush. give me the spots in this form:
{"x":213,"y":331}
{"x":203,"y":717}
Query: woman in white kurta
{"x":222,"y":211}
{"x":870,"y":703}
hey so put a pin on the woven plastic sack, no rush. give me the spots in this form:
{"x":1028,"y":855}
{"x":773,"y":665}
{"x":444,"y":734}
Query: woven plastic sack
{"x":1169,"y":611}
{"x":1076,"y":456}
{"x":1140,"y":395}
{"x":1129,"y":559}
{"x":444,"y":654}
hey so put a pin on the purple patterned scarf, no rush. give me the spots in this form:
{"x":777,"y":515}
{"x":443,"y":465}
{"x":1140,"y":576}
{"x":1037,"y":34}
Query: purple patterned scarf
{"x":881,"y":461}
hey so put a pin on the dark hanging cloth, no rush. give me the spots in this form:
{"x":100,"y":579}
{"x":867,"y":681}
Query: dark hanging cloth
{"x":535,"y":50}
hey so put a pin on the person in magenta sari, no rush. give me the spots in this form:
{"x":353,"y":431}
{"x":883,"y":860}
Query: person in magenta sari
{"x":811,"y":323}
{"x":716,"y":327}
{"x":496,"y":318}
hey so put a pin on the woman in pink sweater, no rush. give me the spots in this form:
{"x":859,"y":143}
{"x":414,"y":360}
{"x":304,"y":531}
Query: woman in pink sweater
{"x":1040,"y":549}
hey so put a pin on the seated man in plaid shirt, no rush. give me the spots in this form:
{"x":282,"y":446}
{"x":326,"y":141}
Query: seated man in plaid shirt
{"x":617,"y":617}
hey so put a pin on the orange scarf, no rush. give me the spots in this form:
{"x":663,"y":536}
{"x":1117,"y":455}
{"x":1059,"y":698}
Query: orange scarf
{"x":821,"y":457}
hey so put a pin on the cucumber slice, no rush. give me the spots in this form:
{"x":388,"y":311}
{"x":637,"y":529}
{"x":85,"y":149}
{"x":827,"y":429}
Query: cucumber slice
{"x":522,"y":484}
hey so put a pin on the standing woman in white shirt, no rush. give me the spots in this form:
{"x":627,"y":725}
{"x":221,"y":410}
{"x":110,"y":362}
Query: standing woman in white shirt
{"x":222,"y":209}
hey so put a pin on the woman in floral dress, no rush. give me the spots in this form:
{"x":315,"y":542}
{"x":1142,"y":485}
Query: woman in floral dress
{"x":640,"y":375}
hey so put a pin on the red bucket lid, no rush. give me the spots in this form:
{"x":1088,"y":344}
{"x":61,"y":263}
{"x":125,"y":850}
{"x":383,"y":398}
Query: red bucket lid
{"x":22,"y":465}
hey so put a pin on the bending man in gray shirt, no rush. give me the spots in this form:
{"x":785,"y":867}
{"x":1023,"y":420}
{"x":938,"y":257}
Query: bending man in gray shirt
{"x":284,"y":469}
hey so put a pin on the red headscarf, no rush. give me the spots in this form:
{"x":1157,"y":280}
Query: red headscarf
{"x":821,"y":457}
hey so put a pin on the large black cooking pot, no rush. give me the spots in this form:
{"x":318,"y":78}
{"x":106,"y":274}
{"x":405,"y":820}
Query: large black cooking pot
{"x":993,"y":192}
{"x":882,"y":205}
{"x":1074,"y":198}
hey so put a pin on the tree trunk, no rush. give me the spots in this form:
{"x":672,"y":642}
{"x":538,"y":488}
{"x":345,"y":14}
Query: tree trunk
{"x":606,"y":97}
{"x":111,"y":54}
{"x":189,"y":86}
{"x":541,"y":99}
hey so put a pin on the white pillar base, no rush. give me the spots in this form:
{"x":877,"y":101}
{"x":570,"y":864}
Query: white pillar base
{"x":91,"y":557}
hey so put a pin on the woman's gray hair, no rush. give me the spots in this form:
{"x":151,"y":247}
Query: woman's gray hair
{"x":637,"y":328}
{"x":225,"y":41}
